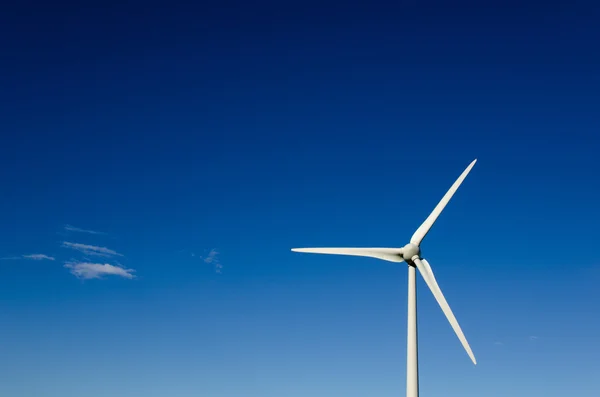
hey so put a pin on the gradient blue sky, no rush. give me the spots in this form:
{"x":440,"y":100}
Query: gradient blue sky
{"x":177,"y":130}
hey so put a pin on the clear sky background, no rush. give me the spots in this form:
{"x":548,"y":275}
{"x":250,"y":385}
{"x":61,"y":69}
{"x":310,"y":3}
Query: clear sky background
{"x":205,"y":141}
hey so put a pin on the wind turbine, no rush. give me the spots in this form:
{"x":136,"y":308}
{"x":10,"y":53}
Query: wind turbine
{"x":411,"y":253}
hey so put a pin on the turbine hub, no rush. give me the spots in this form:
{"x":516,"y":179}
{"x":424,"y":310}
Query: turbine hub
{"x":409,"y":251}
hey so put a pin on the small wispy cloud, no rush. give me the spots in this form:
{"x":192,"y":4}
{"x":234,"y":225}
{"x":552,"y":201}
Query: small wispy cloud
{"x":71,"y":228}
{"x":212,"y":259}
{"x":91,"y":249}
{"x":38,"y":257}
{"x":498,"y":343}
{"x":88,"y":270}
{"x":533,"y":338}
{"x":35,"y":257}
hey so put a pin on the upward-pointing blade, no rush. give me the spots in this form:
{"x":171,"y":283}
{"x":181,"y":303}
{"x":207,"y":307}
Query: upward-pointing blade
{"x":422,"y":231}
{"x":431,"y":282}
{"x":386,"y":254}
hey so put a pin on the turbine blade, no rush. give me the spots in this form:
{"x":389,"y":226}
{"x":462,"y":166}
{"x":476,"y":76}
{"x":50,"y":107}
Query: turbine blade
{"x":422,"y":231}
{"x":427,"y":273}
{"x":386,"y":254}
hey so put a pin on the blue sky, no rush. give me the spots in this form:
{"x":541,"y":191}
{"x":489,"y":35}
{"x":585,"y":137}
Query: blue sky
{"x":158,"y":162}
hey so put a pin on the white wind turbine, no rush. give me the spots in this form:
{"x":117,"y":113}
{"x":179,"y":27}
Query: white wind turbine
{"x":411,"y":254}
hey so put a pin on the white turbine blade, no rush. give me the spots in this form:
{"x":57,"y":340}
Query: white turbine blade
{"x":422,"y":231}
{"x":386,"y":254}
{"x":427,"y":273}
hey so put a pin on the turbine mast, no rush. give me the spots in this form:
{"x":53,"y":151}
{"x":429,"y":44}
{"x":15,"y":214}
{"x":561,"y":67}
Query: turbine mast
{"x":412,"y":361}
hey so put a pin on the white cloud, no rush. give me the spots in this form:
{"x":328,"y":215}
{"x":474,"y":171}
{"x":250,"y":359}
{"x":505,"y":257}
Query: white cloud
{"x":35,"y":257}
{"x":91,"y":249}
{"x":87,"y":270}
{"x":212,"y":259}
{"x":38,"y":257}
{"x":532,"y":338}
{"x":79,"y":230}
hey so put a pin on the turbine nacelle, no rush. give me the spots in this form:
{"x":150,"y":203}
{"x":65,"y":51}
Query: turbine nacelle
{"x":409,"y":251}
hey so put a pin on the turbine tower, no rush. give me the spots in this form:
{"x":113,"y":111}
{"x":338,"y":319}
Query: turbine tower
{"x":411,"y":253}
